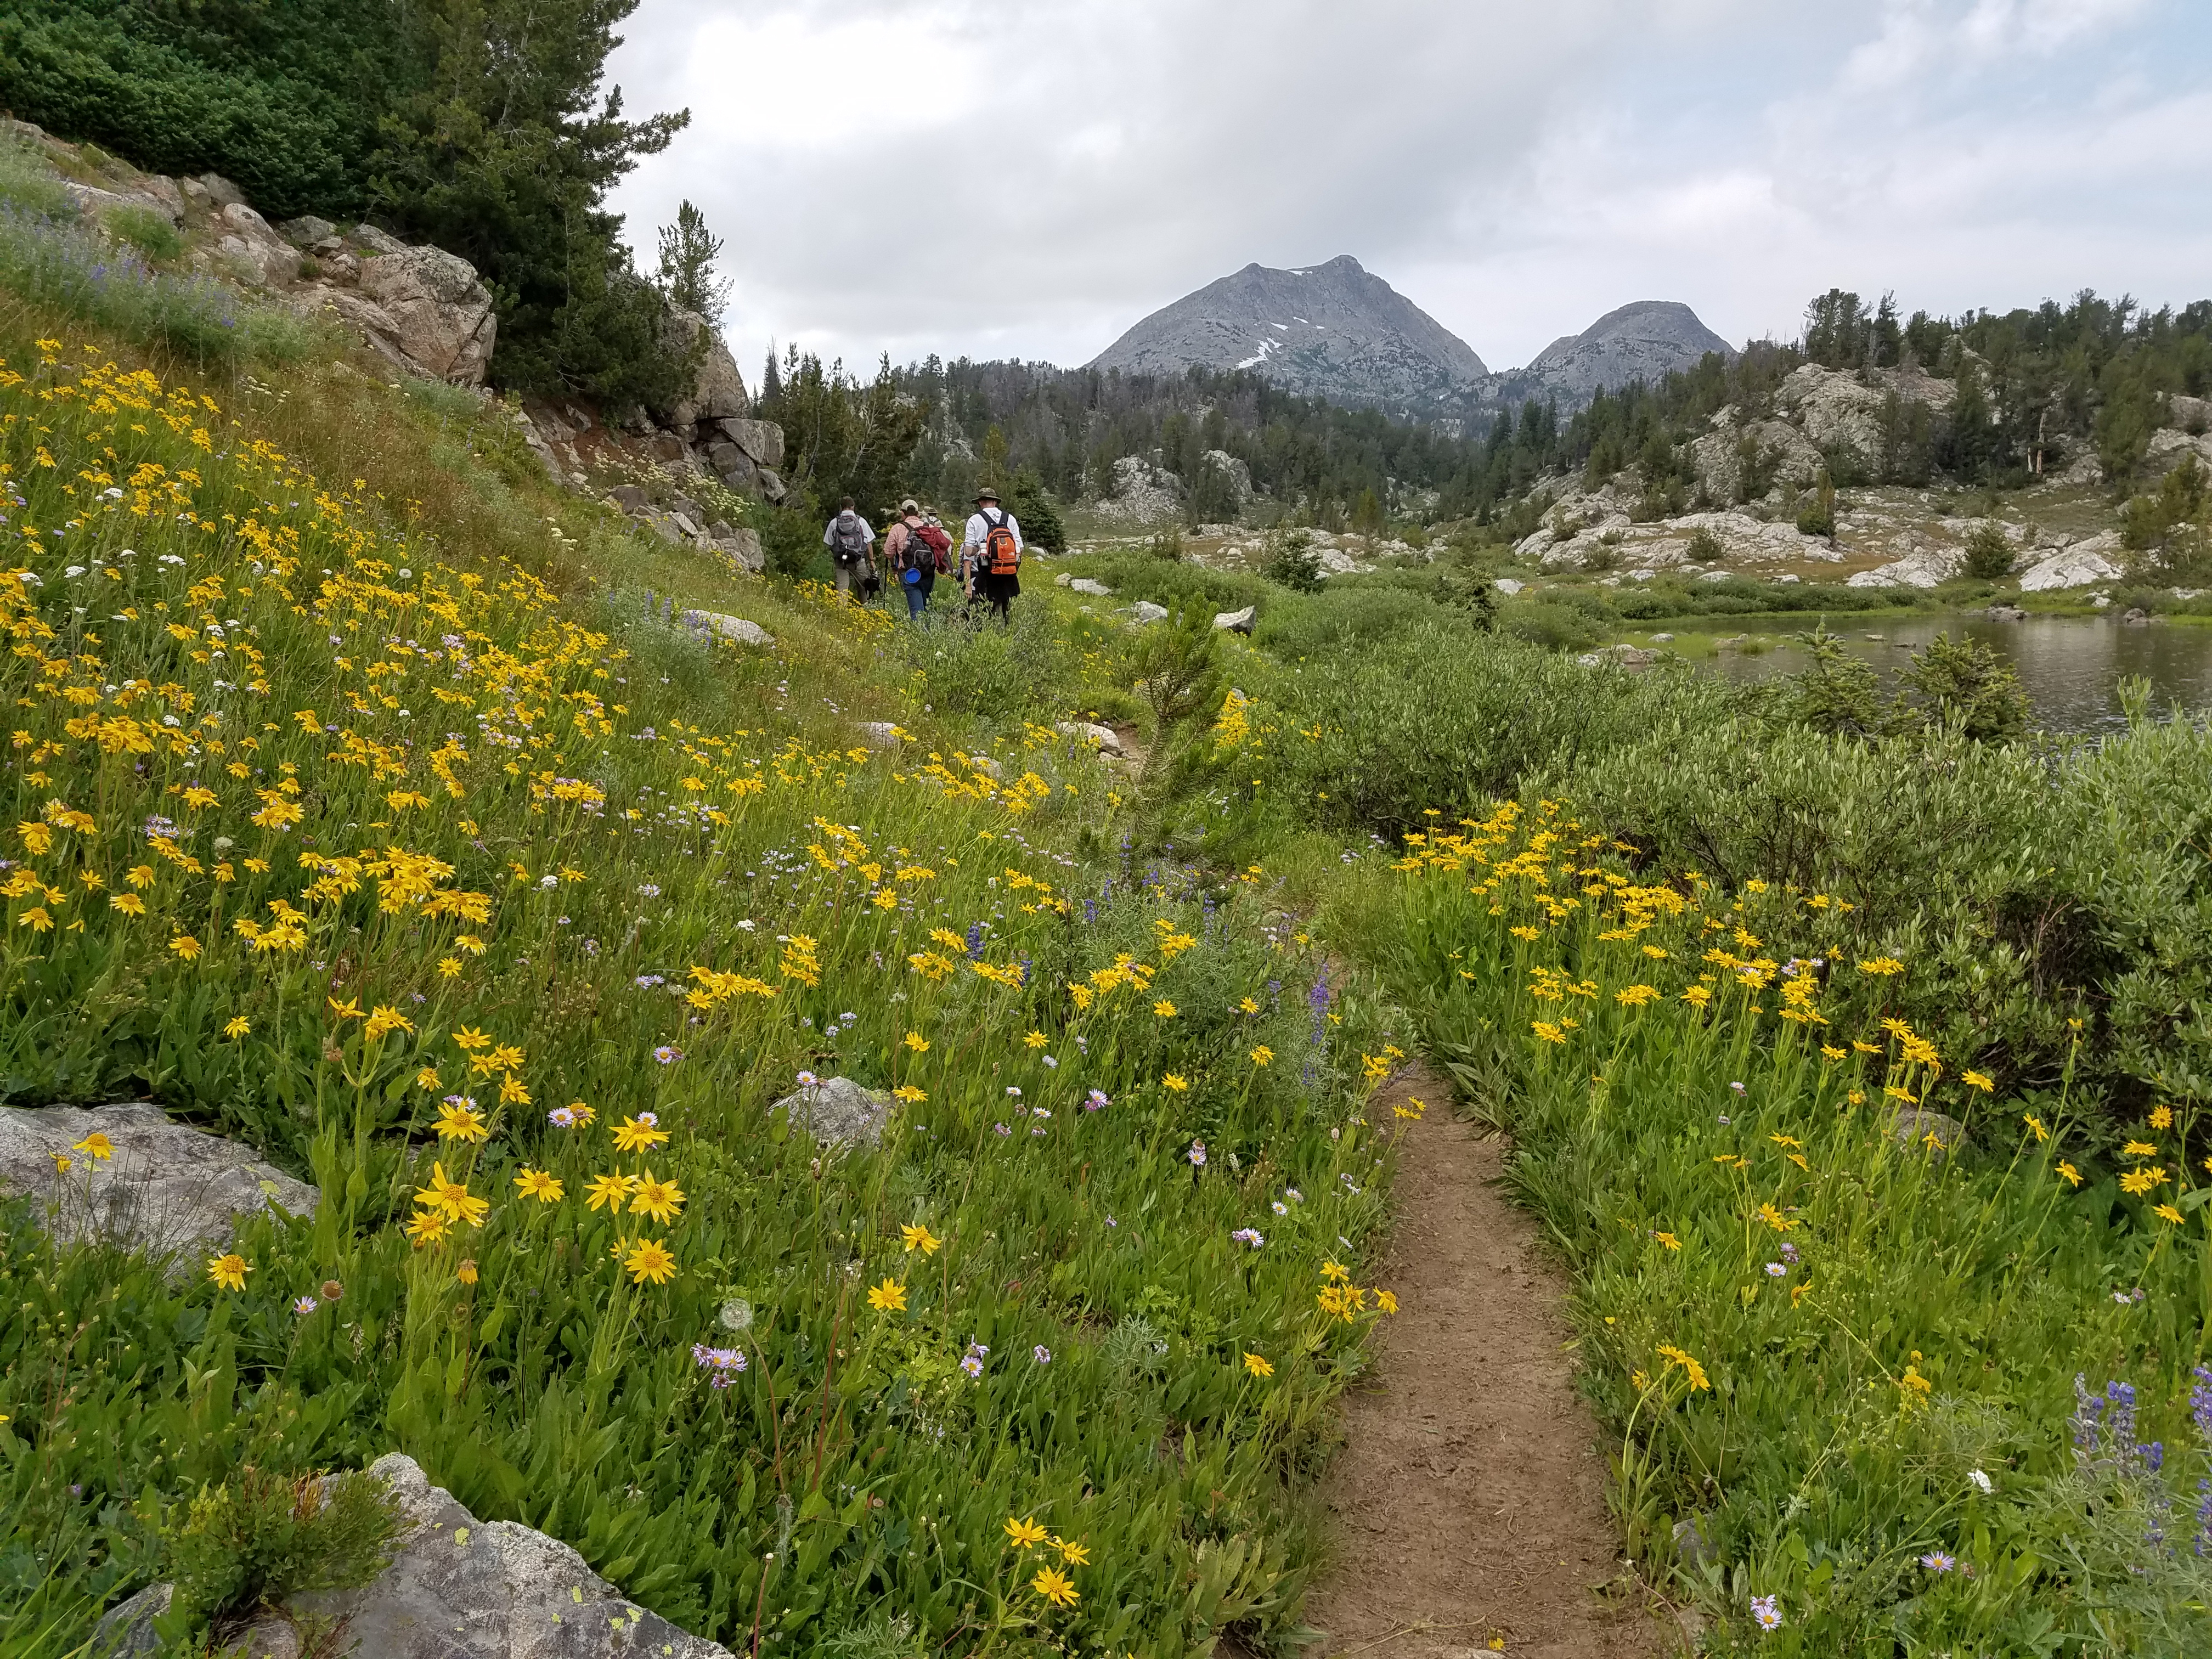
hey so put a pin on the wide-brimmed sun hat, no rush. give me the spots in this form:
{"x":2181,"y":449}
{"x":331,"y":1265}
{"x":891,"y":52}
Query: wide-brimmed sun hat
{"x":987,"y":494}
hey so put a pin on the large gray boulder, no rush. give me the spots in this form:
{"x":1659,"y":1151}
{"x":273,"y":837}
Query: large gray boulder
{"x":2096,"y":559}
{"x":435,"y":311}
{"x":167,"y":1189}
{"x":838,"y":1112}
{"x":717,"y":390}
{"x":762,"y":440}
{"x":458,"y":1588}
{"x":1103,"y":736}
{"x":1236,"y":622}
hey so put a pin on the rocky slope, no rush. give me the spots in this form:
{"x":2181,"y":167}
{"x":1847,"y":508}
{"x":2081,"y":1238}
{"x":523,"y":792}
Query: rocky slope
{"x":1334,"y":330}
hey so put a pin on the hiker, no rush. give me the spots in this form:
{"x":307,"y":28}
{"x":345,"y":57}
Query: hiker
{"x":850,"y":541}
{"x":991,"y":555}
{"x":914,"y":550}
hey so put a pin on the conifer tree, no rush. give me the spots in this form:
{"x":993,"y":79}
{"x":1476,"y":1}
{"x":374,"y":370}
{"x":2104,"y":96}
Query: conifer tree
{"x":688,"y":276}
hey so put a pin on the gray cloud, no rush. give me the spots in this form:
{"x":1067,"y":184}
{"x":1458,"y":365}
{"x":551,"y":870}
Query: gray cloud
{"x":1001,"y":178}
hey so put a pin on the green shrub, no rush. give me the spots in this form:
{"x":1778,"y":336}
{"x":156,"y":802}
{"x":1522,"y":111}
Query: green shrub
{"x":1818,"y":517}
{"x":256,"y":1540}
{"x":1550,"y":623}
{"x":150,"y":232}
{"x":1292,"y":561}
{"x":1989,"y":552}
{"x":1705,"y":547}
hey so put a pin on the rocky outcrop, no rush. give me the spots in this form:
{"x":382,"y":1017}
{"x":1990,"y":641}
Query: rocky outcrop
{"x":2171,"y":447}
{"x":1732,"y":449}
{"x":2080,"y":564}
{"x":163,"y":1187}
{"x":1236,"y":621}
{"x":457,"y":1588}
{"x":1141,"y":493}
{"x":1838,"y":410}
{"x":717,"y":390}
{"x":745,"y":454}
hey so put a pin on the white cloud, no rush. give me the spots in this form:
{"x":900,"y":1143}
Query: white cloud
{"x":1008,"y":178}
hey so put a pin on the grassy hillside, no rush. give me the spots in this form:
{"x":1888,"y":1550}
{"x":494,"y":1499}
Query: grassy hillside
{"x":368,"y":806}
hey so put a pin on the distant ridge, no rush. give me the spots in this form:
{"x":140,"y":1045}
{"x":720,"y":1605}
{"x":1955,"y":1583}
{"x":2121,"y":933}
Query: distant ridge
{"x":1339,"y":332}
{"x":1334,"y":330}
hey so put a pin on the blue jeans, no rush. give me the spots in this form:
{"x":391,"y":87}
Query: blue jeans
{"x":917,"y":600}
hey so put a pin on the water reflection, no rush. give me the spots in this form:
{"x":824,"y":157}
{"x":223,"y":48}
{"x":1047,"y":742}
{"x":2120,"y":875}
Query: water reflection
{"x":2071,"y":666}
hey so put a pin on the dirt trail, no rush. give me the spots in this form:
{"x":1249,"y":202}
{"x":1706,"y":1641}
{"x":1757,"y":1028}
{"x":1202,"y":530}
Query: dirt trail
{"x":1469,"y":1497}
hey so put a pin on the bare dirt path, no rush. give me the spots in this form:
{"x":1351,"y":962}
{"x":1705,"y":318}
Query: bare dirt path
{"x":1468,"y":1501}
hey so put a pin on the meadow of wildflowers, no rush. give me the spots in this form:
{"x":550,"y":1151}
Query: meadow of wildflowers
{"x":465,"y":886}
{"x":1875,"y":1385}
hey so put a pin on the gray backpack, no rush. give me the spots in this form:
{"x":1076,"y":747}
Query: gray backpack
{"x":848,"y":539}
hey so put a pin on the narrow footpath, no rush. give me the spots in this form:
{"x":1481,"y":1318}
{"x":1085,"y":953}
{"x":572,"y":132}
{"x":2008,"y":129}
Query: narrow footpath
{"x":1468,"y":1501}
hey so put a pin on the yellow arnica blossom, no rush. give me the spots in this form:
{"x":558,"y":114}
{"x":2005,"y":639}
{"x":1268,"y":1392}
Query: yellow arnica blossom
{"x":2067,"y":1172}
{"x":889,"y":1296}
{"x":467,"y":1272}
{"x":663,"y":1201}
{"x":650,"y":1260}
{"x":185,"y":946}
{"x":1262,"y":1054}
{"x":1335,"y":1270}
{"x":1674,"y":1356}
{"x":611,"y":1190}
{"x":1164,"y":1008}
{"x":230,"y":1270}
{"x":1053,"y":1585}
{"x":1035,"y":1040}
{"x":2140,"y":1148}
{"x":2162,"y":1117}
{"x":1024,"y":1534}
{"x":2166,"y":1213}
{"x":1882,"y":967}
{"x":1386,"y":1301}
{"x":2035,"y":1124}
{"x":458,"y":1122}
{"x":2137,"y":1183}
{"x":451,"y":1199}
{"x":1258,"y":1366}
{"x":426,"y":1227}
{"x":96,"y":1146}
{"x":1977,"y":1081}
{"x":1071,"y":1554}
{"x":919,"y":1043}
{"x":632,"y":1136}
{"x":384,"y":1019}
{"x":908,"y":1093}
{"x":1176,"y":1081}
{"x":1669,"y":1240}
{"x":539,"y":1184}
{"x":921,"y":1238}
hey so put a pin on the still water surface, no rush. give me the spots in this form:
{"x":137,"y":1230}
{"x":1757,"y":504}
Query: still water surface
{"x":2071,"y":666}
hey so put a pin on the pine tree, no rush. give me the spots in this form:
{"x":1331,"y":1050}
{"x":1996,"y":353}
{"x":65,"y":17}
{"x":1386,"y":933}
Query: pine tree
{"x":505,"y":156}
{"x":687,"y":278}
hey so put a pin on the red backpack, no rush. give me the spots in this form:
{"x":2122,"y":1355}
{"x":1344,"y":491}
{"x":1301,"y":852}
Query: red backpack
{"x":1002,"y":552}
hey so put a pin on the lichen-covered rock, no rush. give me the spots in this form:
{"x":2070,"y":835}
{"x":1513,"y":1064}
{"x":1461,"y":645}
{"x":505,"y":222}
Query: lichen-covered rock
{"x":717,"y":390}
{"x":1236,"y":622}
{"x":2081,"y":564}
{"x":734,"y":629}
{"x":1918,"y":1129}
{"x":166,"y":1188}
{"x":838,"y":1112}
{"x":440,"y":315}
{"x":1103,"y":736}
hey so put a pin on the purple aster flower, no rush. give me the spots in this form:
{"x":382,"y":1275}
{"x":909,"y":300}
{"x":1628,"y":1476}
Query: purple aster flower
{"x":1764,"y":1609}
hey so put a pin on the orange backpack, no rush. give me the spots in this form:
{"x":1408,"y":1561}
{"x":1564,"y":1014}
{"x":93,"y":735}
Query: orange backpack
{"x":1002,"y":553}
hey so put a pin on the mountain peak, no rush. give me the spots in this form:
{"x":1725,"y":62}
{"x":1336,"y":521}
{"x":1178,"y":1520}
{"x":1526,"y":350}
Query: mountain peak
{"x":1334,"y":330}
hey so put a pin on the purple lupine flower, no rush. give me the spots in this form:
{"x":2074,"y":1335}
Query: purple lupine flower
{"x":974,"y":941}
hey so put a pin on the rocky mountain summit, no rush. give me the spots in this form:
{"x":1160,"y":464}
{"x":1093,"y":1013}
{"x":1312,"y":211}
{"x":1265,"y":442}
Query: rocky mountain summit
{"x":1334,"y":330}
{"x":1339,"y":332}
{"x":1643,"y":341}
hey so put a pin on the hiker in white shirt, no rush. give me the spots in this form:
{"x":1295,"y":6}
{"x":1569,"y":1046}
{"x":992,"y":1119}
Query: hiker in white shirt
{"x":850,"y":541}
{"x":995,"y":581}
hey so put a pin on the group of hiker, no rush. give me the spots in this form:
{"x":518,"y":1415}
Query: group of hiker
{"x":917,"y":550}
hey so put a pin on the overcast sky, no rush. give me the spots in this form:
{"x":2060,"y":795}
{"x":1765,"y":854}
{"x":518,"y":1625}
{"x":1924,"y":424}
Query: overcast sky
{"x":1028,"y":177}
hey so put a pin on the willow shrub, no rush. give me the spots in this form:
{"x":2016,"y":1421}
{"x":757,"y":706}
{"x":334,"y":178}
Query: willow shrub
{"x":1873,"y":1386}
{"x":510,"y":913}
